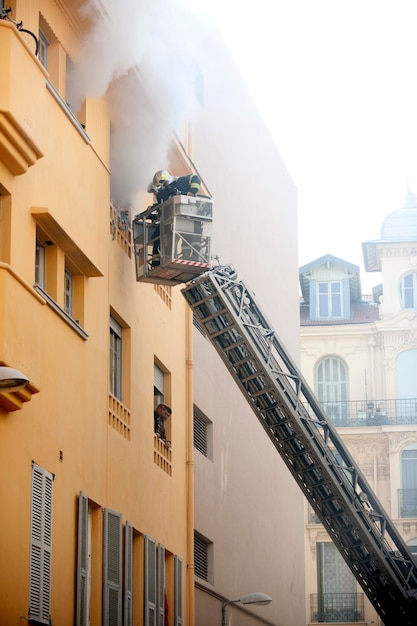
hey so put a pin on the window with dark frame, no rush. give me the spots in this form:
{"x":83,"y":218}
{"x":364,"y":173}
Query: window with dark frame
{"x":115,"y":359}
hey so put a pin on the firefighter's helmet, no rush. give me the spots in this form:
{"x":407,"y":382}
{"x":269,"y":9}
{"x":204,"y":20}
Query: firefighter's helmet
{"x":162,"y":178}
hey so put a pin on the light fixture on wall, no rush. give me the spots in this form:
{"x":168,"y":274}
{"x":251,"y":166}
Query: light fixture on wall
{"x":11,"y":379}
{"x":251,"y":598}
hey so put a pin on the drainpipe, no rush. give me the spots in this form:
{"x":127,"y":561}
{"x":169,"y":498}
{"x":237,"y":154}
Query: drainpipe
{"x":190,"y":471}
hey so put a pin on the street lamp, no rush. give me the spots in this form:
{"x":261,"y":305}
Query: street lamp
{"x":11,"y":379}
{"x":251,"y":598}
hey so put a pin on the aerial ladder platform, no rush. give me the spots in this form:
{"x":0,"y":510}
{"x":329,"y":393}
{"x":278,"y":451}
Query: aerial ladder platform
{"x":307,"y":442}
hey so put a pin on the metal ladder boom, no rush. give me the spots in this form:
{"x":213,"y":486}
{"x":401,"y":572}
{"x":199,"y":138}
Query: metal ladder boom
{"x":308,"y":442}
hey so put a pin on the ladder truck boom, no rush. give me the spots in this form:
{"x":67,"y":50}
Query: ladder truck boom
{"x":307,"y":442}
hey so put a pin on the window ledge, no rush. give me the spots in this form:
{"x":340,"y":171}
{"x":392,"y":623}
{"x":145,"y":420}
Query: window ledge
{"x":46,"y":220}
{"x":62,"y":314}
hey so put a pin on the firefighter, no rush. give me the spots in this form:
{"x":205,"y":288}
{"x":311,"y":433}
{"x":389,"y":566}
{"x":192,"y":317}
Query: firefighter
{"x":164,"y":185}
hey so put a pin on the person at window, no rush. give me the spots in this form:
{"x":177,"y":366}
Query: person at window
{"x":161,"y":413}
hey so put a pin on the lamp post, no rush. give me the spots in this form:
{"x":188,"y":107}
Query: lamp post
{"x":251,"y":598}
{"x":11,"y":379}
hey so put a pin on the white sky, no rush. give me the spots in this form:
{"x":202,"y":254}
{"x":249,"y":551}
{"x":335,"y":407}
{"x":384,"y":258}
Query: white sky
{"x":336,"y":83}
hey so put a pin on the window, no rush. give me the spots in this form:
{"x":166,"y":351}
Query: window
{"x":406,"y":375}
{"x":330,"y":300}
{"x":112,"y":568}
{"x":115,"y":358}
{"x":82,"y":615}
{"x":408,"y":291}
{"x":40,"y":265}
{"x":408,"y":497}
{"x":332,"y":388}
{"x":68,"y":292}
{"x":128,"y":577}
{"x":337,"y":600}
{"x":202,"y":430}
{"x":158,"y":385}
{"x":203,"y":552}
{"x":40,"y":546}
{"x":161,"y":393}
{"x":151,"y":582}
{"x":177,"y":591}
{"x":43,"y":49}
{"x":60,"y":270}
{"x":90,"y":516}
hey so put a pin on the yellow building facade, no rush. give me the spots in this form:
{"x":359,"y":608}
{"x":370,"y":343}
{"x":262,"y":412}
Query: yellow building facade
{"x":98,"y":520}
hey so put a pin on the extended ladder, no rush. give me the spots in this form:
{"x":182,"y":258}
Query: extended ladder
{"x":308,"y":443}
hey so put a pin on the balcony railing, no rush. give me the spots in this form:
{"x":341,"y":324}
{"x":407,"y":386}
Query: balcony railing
{"x":407,"y":501}
{"x":376,"y":413}
{"x":337,"y":607}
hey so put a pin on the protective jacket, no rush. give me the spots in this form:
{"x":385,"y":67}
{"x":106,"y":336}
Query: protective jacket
{"x":181,"y":185}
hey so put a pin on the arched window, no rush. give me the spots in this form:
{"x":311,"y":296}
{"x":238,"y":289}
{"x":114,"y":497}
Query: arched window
{"x":408,"y":493}
{"x":408,"y":291}
{"x":332,"y":388}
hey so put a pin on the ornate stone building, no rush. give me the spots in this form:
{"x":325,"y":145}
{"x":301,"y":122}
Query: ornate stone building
{"x":359,"y":355}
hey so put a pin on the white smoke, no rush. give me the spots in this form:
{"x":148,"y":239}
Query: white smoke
{"x":139,"y":53}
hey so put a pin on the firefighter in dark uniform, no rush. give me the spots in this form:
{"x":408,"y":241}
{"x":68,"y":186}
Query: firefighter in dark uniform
{"x":164,"y":186}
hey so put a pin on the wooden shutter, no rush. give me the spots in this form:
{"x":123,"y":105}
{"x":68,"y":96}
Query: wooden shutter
{"x":150,"y":581}
{"x":112,"y":568}
{"x":40,"y":545}
{"x":161,"y":585}
{"x":128,"y":587}
{"x":82,"y":601}
{"x":177,"y":591}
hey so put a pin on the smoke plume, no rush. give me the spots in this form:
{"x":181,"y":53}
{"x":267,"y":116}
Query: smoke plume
{"x":139,"y":53}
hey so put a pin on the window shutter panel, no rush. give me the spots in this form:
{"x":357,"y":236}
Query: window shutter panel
{"x":40,"y":545}
{"x":112,"y":569}
{"x":128,"y":590}
{"x":158,"y":379}
{"x":345,"y":299}
{"x":82,"y":617}
{"x":313,"y":300}
{"x":150,"y":581}
{"x":177,"y":591}
{"x":161,"y":585}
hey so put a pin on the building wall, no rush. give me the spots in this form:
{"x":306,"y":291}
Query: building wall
{"x":369,"y":351}
{"x":247,"y":505}
{"x":55,"y":177}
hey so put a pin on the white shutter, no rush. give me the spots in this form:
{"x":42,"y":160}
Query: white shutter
{"x":161,"y":585}
{"x":128,"y":587}
{"x":112,"y":568}
{"x":150,"y":581}
{"x":158,"y":379}
{"x":82,"y":601}
{"x":40,"y":545}
{"x":177,"y":591}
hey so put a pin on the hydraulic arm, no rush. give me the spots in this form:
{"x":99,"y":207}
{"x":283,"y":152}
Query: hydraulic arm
{"x":308,"y":443}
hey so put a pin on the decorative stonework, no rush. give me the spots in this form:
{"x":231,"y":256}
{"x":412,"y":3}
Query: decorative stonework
{"x":398,"y":440}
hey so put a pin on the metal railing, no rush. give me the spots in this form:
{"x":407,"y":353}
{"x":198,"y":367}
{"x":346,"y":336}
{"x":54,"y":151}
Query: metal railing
{"x":356,"y":413}
{"x":337,"y":607}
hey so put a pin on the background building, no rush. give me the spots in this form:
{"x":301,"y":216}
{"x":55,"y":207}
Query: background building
{"x":99,"y":523}
{"x":358,"y":353}
{"x":248,"y":509}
